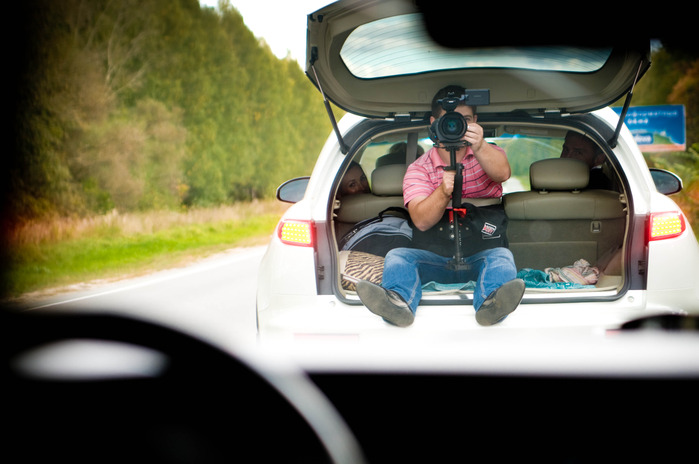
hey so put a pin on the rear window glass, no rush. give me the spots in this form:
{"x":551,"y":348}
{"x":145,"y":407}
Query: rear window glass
{"x":400,"y":45}
{"x":522,"y":150}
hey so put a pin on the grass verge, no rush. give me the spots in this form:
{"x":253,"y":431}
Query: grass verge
{"x":53,"y":254}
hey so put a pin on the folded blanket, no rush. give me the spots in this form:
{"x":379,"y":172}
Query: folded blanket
{"x":534,"y":278}
{"x":580,"y":273}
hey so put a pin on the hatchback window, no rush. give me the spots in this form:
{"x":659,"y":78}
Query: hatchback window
{"x":522,"y":147}
{"x":400,"y":45}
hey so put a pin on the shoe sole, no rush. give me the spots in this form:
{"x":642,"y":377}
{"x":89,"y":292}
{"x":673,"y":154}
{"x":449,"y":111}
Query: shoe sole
{"x":504,"y":301}
{"x":376,"y":300}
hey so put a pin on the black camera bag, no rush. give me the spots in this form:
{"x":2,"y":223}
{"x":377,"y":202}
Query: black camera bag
{"x":481,"y":228}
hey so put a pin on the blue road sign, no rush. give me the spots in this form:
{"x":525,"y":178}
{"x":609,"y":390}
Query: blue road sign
{"x":657,"y":128}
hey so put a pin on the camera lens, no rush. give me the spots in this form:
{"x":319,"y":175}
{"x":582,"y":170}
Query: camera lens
{"x":451,"y":128}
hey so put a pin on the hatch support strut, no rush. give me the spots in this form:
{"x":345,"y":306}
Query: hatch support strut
{"x":613,"y":141}
{"x":343,"y":146}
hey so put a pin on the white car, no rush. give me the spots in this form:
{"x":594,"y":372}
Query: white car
{"x":381,"y":66}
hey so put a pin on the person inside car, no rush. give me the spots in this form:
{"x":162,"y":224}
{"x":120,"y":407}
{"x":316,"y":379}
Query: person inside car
{"x":396,"y":154}
{"x":354,"y":181}
{"x":578,"y":146}
{"x":427,"y":191}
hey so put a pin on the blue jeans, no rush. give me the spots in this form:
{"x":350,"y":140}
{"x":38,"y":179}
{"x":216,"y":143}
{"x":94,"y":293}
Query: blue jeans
{"x":406,"y":269}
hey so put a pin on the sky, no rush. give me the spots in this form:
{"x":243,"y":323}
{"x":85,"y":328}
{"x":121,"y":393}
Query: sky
{"x":282,"y":23}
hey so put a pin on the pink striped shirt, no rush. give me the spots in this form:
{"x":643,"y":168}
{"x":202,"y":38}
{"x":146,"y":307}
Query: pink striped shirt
{"x":425,"y":175}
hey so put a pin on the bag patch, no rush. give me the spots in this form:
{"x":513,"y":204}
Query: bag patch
{"x":489,"y":229}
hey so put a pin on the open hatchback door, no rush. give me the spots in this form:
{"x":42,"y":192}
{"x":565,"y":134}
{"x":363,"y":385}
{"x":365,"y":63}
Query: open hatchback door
{"x":377,"y":59}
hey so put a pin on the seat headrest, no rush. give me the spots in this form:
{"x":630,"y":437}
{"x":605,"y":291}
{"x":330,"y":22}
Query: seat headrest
{"x":559,"y":174}
{"x":388,"y":180}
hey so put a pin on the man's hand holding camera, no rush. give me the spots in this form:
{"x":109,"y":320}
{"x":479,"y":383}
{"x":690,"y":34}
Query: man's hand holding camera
{"x":493,"y":161}
{"x":474,"y":137}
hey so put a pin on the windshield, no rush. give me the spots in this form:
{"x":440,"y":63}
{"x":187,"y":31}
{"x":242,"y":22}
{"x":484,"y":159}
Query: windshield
{"x":400,"y":45}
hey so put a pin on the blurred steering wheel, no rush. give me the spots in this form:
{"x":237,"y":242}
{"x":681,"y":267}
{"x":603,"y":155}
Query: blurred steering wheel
{"x":105,"y":388}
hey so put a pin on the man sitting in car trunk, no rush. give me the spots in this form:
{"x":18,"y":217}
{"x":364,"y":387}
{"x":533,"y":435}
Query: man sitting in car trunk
{"x":427,"y":192}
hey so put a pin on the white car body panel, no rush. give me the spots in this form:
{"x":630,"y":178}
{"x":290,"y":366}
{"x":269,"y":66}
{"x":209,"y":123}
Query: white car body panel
{"x":290,"y":308}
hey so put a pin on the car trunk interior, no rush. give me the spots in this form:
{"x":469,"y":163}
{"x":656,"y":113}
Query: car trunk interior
{"x":556,"y":222}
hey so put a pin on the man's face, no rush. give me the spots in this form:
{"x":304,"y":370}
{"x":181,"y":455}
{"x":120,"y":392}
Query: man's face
{"x":578,"y":147}
{"x":467,"y":113}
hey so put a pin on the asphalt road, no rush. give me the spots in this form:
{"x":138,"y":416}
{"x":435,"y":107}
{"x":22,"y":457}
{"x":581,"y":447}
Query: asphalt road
{"x":213,"y":298}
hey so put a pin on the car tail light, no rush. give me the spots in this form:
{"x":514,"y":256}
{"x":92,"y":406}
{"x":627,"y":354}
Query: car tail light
{"x":295,"y":232}
{"x":666,"y":225}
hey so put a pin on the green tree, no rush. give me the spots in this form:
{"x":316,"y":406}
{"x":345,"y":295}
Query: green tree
{"x":136,"y":104}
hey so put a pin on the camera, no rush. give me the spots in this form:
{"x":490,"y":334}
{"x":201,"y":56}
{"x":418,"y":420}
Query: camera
{"x":449,"y":129}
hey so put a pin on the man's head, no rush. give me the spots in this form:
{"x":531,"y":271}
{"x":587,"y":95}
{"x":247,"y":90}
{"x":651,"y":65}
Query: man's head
{"x":467,"y":111}
{"x":457,"y":91}
{"x":578,"y":146}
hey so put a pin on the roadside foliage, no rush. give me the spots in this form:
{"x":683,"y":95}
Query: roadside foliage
{"x":155,"y":104}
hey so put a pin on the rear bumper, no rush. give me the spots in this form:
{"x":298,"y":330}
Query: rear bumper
{"x":298,"y":317}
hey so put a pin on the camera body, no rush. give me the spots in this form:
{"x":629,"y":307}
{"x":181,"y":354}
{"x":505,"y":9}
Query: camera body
{"x":449,"y":129}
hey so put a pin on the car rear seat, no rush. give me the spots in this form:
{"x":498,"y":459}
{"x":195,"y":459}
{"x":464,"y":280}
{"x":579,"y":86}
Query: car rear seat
{"x":559,"y":221}
{"x":386,"y":191}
